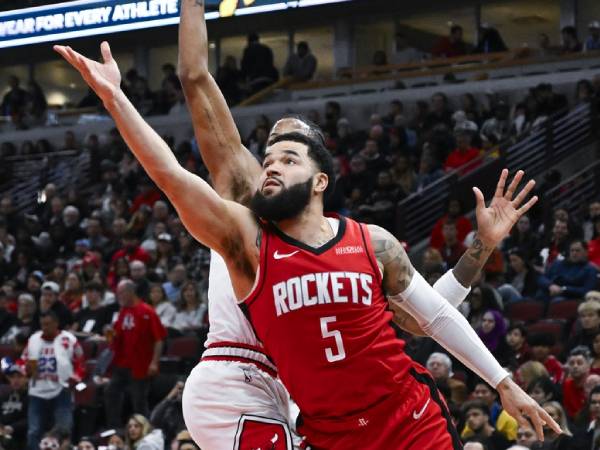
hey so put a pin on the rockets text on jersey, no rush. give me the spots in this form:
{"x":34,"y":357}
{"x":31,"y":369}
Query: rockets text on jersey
{"x":323,"y":318}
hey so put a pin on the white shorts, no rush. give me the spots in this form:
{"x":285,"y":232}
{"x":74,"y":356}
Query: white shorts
{"x":234,"y":405}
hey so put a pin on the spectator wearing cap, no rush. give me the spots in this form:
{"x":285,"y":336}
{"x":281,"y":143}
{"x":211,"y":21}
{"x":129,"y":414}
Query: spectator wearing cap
{"x":477,"y":417}
{"x":593,"y":41}
{"x":34,"y":283}
{"x":440,"y":366}
{"x":13,"y":404}
{"x":588,"y":314}
{"x":541,"y":345}
{"x":49,"y":302}
{"x":465,"y":153}
{"x":166,"y":258}
{"x":137,"y":346}
{"x":302,"y":65}
{"x":522,"y":278}
{"x":91,"y":320}
{"x":578,"y":369}
{"x":569,"y":278}
{"x":55,"y":362}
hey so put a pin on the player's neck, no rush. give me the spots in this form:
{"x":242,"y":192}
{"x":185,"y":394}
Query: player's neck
{"x":311,"y":227}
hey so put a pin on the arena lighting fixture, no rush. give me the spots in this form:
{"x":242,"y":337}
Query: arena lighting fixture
{"x":7,"y":41}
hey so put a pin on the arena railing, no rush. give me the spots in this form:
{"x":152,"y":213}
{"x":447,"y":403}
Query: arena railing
{"x":575,"y":193}
{"x":560,"y":137}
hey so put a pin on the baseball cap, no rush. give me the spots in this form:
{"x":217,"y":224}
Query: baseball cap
{"x":166,"y":237}
{"x":8,"y":366}
{"x":52,"y":286}
{"x":83,"y":242}
{"x":466,"y":126}
{"x":38,"y":275}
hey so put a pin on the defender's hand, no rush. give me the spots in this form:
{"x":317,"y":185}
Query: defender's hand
{"x":519,"y":405}
{"x":495,"y":222}
{"x":104,"y":78}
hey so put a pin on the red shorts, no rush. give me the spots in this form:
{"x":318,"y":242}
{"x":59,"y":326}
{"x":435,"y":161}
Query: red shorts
{"x":417,"y":418}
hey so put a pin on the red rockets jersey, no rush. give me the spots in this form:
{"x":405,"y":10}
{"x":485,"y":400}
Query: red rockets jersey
{"x":323,"y":318}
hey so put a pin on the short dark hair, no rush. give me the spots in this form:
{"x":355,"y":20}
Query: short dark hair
{"x":303,"y":44}
{"x":518,"y":326}
{"x":94,"y":286}
{"x":476,"y":404}
{"x":595,"y":390}
{"x":50,"y":314}
{"x":253,"y":37}
{"x":583,"y":243}
{"x":317,"y":152}
{"x":545,"y":384}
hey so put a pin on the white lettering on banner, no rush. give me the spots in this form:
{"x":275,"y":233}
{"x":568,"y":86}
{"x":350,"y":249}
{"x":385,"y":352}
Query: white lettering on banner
{"x":343,"y":287}
{"x":69,"y":20}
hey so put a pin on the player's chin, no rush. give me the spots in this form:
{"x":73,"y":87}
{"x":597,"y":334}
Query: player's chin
{"x":271,"y":190}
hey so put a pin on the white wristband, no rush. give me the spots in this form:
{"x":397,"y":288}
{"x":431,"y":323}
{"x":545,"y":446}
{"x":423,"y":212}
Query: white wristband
{"x":449,"y":288}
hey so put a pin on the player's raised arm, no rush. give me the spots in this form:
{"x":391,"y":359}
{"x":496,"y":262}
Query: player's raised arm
{"x":408,"y":290}
{"x":232,"y":167}
{"x":199,"y":206}
{"x":493,"y":225}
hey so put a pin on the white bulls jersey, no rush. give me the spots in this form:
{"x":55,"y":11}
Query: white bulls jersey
{"x":227,"y":321}
{"x":233,"y":398}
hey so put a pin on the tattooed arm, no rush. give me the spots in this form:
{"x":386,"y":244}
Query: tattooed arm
{"x":493,"y":224}
{"x":232,"y":167}
{"x":407,"y":289}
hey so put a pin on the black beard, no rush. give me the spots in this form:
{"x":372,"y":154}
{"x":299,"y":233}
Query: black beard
{"x":289,"y":203}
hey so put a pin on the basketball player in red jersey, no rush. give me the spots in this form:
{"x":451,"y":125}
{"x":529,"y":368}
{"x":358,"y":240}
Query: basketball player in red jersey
{"x":314,"y":290}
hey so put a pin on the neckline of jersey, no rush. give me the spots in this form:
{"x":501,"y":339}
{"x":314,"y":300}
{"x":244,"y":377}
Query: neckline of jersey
{"x":315,"y":250}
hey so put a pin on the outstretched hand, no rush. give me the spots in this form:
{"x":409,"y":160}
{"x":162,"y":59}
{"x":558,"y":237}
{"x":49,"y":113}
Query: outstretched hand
{"x":495,"y":222}
{"x":104,"y":78}
{"x":522,"y":407}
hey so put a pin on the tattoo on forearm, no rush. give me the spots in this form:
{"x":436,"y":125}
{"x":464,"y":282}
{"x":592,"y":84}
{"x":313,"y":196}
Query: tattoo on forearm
{"x":397,"y":268}
{"x":471,"y":262}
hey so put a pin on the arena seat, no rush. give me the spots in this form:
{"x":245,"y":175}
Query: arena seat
{"x":554,"y":327}
{"x":187,"y":347}
{"x":526,"y":311}
{"x":566,"y":310}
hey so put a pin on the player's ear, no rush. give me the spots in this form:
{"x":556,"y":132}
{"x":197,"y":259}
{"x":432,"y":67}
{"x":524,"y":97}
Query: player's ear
{"x":320,"y":182}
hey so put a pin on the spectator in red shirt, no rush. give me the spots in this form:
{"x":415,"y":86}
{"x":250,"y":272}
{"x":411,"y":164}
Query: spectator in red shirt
{"x":452,"y":249}
{"x":137,"y":346}
{"x":594,"y":245}
{"x":463,"y":225}
{"x":452,"y":45}
{"x":149,"y":194}
{"x":464,"y":155}
{"x":578,"y":365}
{"x":541,"y":344}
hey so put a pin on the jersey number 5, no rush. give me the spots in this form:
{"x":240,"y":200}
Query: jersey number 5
{"x":339,"y":343}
